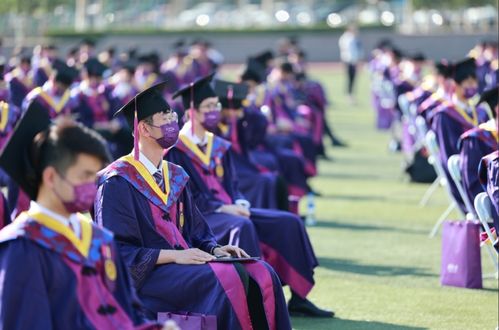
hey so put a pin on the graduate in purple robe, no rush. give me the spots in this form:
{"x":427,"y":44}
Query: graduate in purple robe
{"x":55,"y":95}
{"x":489,"y":178}
{"x":261,"y":150}
{"x":207,"y":160}
{"x":257,"y":184}
{"x":166,"y":243}
{"x":59,"y":270}
{"x":20,"y":81}
{"x":46,"y":65}
{"x":476,"y":143}
{"x":452,"y":118}
{"x":94,"y":109}
{"x":291,"y":120}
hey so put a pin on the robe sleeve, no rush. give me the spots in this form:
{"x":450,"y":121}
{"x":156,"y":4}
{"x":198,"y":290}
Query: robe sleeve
{"x":197,"y":232}
{"x":231,"y":181}
{"x":114,"y":209}
{"x":24,"y":301}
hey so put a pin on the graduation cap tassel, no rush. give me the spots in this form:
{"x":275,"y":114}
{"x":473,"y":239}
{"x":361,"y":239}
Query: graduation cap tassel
{"x":191,"y":110}
{"x":135,"y":133}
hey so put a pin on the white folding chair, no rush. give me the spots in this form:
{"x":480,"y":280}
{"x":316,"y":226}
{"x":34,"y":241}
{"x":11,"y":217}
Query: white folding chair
{"x":483,"y":209}
{"x":431,"y":143}
{"x":455,"y":173}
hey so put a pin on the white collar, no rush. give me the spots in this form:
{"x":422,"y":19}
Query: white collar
{"x":463,"y":105}
{"x":72,"y":222}
{"x":151,"y":168}
{"x":187,"y":132}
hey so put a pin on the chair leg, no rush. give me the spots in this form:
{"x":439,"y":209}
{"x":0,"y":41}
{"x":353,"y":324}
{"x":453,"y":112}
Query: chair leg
{"x":442,"y":218}
{"x":429,"y":192}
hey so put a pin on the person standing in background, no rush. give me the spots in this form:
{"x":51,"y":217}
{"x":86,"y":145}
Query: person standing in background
{"x":350,"y":53}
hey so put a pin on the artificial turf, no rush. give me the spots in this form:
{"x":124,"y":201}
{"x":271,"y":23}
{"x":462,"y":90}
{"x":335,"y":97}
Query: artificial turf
{"x":378,"y":267}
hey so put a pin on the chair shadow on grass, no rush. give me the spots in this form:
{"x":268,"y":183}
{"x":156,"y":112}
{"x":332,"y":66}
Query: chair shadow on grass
{"x":367,"y":227}
{"x":351,"y":266}
{"x":301,"y":323}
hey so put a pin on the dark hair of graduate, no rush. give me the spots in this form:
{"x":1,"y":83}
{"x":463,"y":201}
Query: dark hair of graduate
{"x":61,"y":144}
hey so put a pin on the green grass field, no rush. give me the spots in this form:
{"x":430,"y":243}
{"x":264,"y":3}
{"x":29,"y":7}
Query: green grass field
{"x":378,"y":268}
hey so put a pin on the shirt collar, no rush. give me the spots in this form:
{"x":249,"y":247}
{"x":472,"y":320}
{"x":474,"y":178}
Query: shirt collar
{"x":187,"y":132}
{"x":151,"y":168}
{"x":72,"y":222}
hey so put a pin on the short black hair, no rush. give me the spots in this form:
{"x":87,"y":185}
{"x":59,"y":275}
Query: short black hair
{"x":60,"y":145}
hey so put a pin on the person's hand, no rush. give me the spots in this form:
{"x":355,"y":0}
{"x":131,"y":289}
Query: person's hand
{"x":230,"y":250}
{"x":235,"y":210}
{"x":192,"y":257}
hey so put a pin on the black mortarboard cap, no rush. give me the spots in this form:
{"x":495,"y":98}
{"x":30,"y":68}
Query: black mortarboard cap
{"x":95,"y":68}
{"x":16,"y":156}
{"x":65,"y":74}
{"x":230,"y":94}
{"x":444,"y":68}
{"x":144,"y":104}
{"x":264,"y":57}
{"x":196,"y":92}
{"x":147,"y":103}
{"x":418,"y":57}
{"x":490,"y":96}
{"x":254,"y":71}
{"x":464,"y":69}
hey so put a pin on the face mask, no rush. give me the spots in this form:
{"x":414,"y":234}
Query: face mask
{"x":83,"y":197}
{"x":169,"y":135}
{"x":469,"y":92}
{"x":211,"y":119}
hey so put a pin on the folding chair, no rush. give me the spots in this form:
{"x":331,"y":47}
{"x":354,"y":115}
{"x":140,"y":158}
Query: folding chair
{"x":455,"y":173}
{"x":431,"y":143}
{"x":484,"y":210}
{"x":422,"y":130}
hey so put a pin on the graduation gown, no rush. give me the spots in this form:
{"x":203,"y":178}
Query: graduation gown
{"x":489,"y":178}
{"x":19,"y":86}
{"x":146,"y":219}
{"x":4,"y":211}
{"x":449,"y":123}
{"x":52,"y":279}
{"x":42,"y":99}
{"x":273,"y":157}
{"x":215,"y":184}
{"x":257,"y":184}
{"x":474,"y":145}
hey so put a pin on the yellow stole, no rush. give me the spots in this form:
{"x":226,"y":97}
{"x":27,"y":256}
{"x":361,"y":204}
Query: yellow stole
{"x":151,"y":182}
{"x":82,"y":245}
{"x":204,"y":157}
{"x":47,"y":98}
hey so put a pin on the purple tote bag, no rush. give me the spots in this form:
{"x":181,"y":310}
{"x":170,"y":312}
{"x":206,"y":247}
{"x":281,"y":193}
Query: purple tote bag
{"x":461,"y":261}
{"x":190,"y":321}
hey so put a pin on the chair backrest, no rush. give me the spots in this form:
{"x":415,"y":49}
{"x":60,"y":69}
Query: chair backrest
{"x":455,"y":173}
{"x":483,"y":208}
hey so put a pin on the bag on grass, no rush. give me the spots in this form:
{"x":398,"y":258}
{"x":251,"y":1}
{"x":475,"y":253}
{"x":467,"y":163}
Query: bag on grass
{"x":461,"y":261}
{"x":190,"y":321}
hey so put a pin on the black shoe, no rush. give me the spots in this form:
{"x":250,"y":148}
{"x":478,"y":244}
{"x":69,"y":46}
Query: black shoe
{"x":339,"y":143}
{"x":304,"y":307}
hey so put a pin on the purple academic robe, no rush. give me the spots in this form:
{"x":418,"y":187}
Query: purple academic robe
{"x":215,"y":184}
{"x":19,"y":86}
{"x":258,"y":188}
{"x":489,"y":178}
{"x":95,"y":108}
{"x":42,"y":99}
{"x":52,"y":280}
{"x":474,"y":145}
{"x":448,"y":125}
{"x":4,"y":211}
{"x":272,"y":157}
{"x":145,"y":221}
